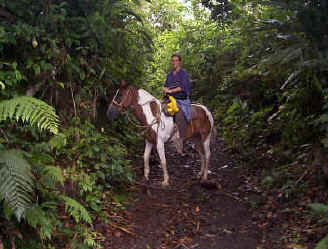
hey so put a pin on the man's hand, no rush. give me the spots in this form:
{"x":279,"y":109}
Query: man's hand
{"x":174,"y":90}
{"x":166,"y":90}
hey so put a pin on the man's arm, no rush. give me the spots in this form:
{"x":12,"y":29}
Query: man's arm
{"x":166,"y":88}
{"x":185,"y":85}
{"x":174,"y":90}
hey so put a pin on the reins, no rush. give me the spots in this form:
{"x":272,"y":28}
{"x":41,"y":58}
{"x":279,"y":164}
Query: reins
{"x":157,"y":119}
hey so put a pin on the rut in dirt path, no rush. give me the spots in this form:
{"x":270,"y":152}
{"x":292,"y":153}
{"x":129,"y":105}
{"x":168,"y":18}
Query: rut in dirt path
{"x":187,"y":215}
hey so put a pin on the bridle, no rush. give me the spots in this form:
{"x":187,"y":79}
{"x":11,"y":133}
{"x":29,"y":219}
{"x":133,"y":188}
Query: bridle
{"x":124,"y":110}
{"x":116,"y":103}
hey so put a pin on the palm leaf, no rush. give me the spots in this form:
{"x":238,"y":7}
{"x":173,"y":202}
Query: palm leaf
{"x":31,"y":110}
{"x":16,"y":181}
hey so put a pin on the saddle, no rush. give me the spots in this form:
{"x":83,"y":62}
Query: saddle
{"x":193,"y":112}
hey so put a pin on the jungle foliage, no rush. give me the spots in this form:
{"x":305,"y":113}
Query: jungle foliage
{"x":261,"y":67}
{"x":271,"y":99}
{"x":60,"y":163}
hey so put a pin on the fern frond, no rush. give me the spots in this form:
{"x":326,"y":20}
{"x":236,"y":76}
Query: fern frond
{"x":284,"y":56}
{"x":38,"y":219}
{"x":52,"y":175}
{"x":75,"y":209}
{"x":32,"y":110}
{"x":16,"y":181}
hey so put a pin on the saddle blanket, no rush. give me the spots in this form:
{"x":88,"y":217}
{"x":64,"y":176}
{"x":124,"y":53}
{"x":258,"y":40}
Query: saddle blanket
{"x":194,"y":109}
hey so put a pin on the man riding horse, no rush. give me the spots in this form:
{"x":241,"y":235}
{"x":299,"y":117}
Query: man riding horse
{"x":177,"y":85}
{"x":159,"y":128}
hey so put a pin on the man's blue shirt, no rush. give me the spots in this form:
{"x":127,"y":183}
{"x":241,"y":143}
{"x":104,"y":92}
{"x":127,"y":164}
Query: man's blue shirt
{"x":180,"y":79}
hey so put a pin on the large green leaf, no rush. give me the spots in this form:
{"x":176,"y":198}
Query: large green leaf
{"x":31,"y":110}
{"x":16,"y":181}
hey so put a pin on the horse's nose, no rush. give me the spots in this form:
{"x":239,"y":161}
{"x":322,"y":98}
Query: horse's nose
{"x":109,"y":114}
{"x":112,"y":113}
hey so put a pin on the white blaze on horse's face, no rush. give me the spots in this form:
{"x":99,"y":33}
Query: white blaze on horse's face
{"x":112,"y":110}
{"x":115,"y":107}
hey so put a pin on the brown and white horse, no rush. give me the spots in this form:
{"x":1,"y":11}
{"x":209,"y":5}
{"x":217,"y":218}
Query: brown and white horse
{"x":160,"y":128}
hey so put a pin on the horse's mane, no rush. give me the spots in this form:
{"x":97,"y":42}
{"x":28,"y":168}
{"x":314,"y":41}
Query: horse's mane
{"x":147,"y":96}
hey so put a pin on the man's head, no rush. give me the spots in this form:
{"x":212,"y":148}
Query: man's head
{"x":176,"y":61}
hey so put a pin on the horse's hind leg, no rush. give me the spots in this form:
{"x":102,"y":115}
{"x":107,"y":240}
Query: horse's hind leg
{"x":161,"y":153}
{"x":202,"y":165}
{"x":200,"y":150}
{"x":207,"y":152}
{"x":147,"y":152}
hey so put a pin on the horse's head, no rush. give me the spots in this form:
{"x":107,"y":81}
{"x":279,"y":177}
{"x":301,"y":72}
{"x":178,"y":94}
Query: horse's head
{"x":124,"y":98}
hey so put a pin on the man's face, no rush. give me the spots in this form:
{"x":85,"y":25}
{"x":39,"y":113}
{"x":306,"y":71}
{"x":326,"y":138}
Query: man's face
{"x":175,"y":62}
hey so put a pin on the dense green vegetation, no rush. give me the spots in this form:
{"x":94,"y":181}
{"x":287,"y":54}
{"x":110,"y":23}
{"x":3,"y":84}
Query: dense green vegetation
{"x":261,"y":67}
{"x":68,"y":53}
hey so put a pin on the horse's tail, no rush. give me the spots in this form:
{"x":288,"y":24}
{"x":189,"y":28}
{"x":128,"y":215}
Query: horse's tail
{"x":213,"y":131}
{"x":213,"y":135}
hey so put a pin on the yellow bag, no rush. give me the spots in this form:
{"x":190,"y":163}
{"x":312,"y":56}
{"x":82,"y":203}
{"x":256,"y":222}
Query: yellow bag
{"x":172,"y":107}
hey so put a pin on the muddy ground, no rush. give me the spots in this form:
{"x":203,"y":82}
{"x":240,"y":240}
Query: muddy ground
{"x":189,"y":215}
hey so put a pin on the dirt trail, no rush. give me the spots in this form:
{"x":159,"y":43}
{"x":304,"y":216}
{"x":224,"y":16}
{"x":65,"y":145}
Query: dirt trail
{"x":187,"y":215}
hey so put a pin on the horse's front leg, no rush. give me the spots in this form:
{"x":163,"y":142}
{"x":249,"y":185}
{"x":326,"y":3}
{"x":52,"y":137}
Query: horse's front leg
{"x":147,"y":152}
{"x":161,"y":153}
{"x":178,"y":144}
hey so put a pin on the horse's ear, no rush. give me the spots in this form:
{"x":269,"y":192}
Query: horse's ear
{"x":123,"y":84}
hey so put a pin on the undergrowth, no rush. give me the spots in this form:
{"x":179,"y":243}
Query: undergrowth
{"x":77,"y":175}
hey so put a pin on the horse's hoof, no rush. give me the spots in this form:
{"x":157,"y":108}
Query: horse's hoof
{"x":208,"y":184}
{"x":145,"y":180}
{"x":204,"y":178}
{"x":165,"y":184}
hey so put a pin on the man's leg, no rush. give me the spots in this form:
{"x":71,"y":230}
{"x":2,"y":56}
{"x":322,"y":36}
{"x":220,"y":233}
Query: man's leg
{"x":181,"y":123}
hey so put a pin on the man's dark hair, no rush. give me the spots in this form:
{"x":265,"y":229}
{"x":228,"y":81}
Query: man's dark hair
{"x":176,"y":55}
